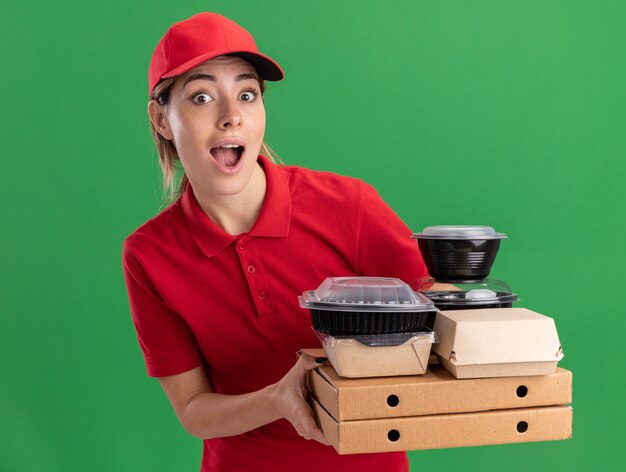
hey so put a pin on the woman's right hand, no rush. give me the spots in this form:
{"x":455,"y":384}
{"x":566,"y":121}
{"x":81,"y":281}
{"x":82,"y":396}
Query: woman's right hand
{"x":289,"y":398}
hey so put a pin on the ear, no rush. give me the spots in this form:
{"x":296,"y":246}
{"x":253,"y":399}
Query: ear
{"x":158,"y":118}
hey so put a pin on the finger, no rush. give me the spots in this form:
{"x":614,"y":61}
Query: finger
{"x":308,"y":362}
{"x":312,"y":433}
{"x":318,"y":436}
{"x":311,"y":430}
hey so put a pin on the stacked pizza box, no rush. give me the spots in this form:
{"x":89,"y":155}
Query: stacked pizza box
{"x":492,"y":377}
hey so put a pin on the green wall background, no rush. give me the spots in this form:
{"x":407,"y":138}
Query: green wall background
{"x":505,"y":113}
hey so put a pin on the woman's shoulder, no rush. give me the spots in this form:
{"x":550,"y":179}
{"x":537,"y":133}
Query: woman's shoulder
{"x":302,"y":179}
{"x":159,"y":229}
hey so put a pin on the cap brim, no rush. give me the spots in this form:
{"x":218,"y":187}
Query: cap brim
{"x":267,"y":68}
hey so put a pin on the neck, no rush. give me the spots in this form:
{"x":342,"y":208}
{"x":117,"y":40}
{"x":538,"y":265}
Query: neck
{"x":236,"y":214}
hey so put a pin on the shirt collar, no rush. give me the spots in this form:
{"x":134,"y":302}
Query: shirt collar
{"x":273,"y":221}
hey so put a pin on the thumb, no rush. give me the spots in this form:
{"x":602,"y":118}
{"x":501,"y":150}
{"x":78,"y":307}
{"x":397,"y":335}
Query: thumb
{"x":308,"y":362}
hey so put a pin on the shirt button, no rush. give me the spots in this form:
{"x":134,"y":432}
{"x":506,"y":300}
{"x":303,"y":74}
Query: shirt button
{"x":261,"y":295}
{"x":241,"y":244}
{"x":251,"y":269}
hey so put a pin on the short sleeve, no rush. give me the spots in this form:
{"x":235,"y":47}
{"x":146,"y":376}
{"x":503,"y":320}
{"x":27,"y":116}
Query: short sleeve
{"x":385,"y":248}
{"x":167,"y":343}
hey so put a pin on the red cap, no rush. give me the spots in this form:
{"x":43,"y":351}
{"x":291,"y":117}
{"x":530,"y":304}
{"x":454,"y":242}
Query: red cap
{"x":204,"y":36}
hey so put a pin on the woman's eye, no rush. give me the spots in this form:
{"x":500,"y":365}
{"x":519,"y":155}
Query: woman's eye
{"x":201,"y":98}
{"x":249,"y":95}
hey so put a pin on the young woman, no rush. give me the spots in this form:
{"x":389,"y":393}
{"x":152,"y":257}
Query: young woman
{"x":213,"y":279}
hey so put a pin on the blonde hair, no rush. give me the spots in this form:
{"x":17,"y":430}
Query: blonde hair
{"x":168,"y":157}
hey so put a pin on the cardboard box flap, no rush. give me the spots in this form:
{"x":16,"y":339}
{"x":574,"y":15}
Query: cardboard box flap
{"x":421,"y":356}
{"x":497,"y":335}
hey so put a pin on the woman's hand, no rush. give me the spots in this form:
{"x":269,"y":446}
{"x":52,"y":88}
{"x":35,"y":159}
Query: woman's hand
{"x":289,"y":399}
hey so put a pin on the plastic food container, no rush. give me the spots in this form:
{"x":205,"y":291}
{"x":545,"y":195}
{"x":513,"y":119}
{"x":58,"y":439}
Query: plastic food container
{"x":459,"y":253}
{"x":380,"y":355}
{"x":488,"y":293}
{"x":367,"y":305}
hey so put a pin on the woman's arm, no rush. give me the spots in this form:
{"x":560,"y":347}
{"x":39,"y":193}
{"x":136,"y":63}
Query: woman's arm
{"x":206,"y":414}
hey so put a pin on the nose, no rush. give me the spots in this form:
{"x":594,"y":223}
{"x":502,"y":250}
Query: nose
{"x":230,"y":115}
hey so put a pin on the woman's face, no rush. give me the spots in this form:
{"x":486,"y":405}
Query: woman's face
{"x":216,"y":120}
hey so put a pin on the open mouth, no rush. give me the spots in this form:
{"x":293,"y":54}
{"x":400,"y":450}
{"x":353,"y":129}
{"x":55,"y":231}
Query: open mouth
{"x":227,"y":155}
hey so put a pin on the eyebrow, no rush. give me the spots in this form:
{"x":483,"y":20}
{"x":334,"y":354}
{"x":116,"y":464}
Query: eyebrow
{"x":212,"y":78}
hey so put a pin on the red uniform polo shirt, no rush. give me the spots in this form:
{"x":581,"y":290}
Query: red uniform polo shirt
{"x":199,"y":295}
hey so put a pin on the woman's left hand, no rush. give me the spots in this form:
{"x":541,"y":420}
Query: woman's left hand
{"x":289,"y":398}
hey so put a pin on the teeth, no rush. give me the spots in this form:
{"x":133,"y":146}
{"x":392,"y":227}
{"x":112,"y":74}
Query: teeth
{"x":229,"y":146}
